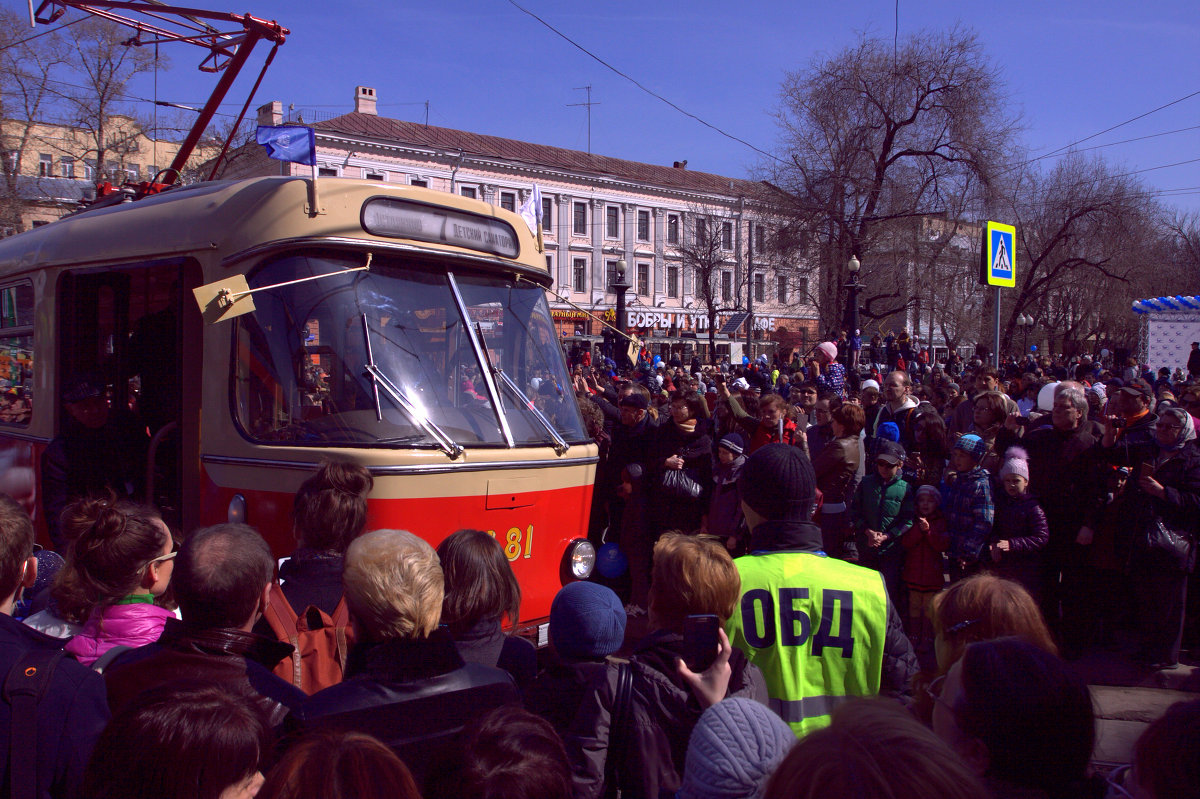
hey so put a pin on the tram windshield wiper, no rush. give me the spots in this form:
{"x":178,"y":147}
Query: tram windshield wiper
{"x":560,"y":443}
{"x":379,"y":380}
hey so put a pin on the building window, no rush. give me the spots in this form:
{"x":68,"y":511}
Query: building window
{"x":782,"y":289}
{"x":45,"y":165}
{"x":760,"y":288}
{"x":610,"y":274}
{"x":11,"y":161}
{"x":579,"y":278}
{"x":508,"y":201}
{"x":68,"y":167}
{"x":643,"y":226}
{"x":673,"y":229}
{"x":132,"y":171}
{"x":372,"y":175}
{"x":760,"y":239}
{"x":327,"y":172}
{"x":672,"y":281}
{"x":422,"y":184}
{"x":467,"y":191}
{"x":726,"y":235}
{"x":726,"y":286}
{"x":612,"y":221}
{"x":701,"y":231}
{"x":547,"y":214}
{"x":550,"y":266}
{"x":579,"y":224}
{"x":643,"y":280}
{"x":89,"y":169}
{"x":802,"y":288}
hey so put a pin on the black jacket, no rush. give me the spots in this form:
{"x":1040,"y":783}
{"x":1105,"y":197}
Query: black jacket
{"x":413,"y":695}
{"x":663,"y":713}
{"x":227,"y":656}
{"x":487,"y":645}
{"x":899,"y":660}
{"x":70,"y":716}
{"x":310,"y":577}
{"x":1063,"y":474}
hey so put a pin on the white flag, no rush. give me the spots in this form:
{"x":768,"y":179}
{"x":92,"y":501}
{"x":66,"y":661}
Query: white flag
{"x":531,"y":209}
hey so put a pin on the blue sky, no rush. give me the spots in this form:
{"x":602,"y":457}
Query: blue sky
{"x":1072,"y":69}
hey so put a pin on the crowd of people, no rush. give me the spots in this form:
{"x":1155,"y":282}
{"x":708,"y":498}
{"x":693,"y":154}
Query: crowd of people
{"x":854,"y":584}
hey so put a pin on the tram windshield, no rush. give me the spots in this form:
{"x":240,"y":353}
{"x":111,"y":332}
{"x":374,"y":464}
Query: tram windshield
{"x":405,"y":354}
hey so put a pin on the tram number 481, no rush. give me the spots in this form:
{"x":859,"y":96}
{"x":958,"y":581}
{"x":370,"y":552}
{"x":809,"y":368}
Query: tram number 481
{"x":794,"y":624}
{"x":517,"y":543}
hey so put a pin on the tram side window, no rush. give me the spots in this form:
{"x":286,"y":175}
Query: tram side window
{"x":16,"y":353}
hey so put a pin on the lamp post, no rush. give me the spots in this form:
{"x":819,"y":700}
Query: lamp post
{"x":853,"y":288}
{"x":1025,"y":323}
{"x":619,"y":286}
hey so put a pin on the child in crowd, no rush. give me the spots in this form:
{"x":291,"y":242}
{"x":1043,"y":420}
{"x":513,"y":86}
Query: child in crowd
{"x":1020,"y":532}
{"x":725,"y":519}
{"x":924,"y":544}
{"x":882,"y":509}
{"x":969,"y":509}
{"x":587,"y":624}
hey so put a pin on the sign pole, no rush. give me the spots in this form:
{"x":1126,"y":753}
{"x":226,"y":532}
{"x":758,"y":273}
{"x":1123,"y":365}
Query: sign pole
{"x":996,"y":337}
{"x":997,"y":267}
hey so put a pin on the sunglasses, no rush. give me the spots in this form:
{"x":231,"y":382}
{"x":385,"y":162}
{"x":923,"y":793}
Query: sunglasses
{"x":169,"y":556}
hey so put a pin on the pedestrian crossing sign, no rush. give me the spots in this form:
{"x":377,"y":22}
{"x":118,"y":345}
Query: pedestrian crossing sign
{"x":999,"y":255}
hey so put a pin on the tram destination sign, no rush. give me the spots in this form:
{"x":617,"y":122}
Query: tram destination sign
{"x":403,"y":219}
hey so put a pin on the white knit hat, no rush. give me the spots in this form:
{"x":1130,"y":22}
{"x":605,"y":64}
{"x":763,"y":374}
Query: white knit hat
{"x":1016,"y":461}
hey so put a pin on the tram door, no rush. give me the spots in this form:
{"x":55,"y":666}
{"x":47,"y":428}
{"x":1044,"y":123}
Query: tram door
{"x":129,"y":330}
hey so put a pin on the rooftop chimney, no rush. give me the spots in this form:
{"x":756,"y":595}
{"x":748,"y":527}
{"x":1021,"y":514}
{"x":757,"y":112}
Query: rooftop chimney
{"x":364,"y":100}
{"x":680,"y":165}
{"x":271,"y":113}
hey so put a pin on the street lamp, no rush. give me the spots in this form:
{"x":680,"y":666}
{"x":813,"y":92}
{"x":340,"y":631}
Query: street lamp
{"x":619,"y":286}
{"x":1025,"y":322}
{"x":853,"y":288}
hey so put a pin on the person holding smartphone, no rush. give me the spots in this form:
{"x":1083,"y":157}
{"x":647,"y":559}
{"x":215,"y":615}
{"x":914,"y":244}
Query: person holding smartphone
{"x":693,"y":594}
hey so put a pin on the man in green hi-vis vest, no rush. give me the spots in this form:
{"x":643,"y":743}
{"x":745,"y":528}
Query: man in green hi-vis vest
{"x":820,"y":629}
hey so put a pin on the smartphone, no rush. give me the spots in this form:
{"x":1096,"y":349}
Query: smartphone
{"x":1145,"y":469}
{"x":700,"y":641}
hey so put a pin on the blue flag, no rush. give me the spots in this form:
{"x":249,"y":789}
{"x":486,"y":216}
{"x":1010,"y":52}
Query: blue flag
{"x":289,"y":143}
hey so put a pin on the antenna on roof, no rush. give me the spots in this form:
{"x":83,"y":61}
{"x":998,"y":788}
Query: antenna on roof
{"x":589,"y":105}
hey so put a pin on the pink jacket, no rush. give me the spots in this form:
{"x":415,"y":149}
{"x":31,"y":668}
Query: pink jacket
{"x":118,"y":625}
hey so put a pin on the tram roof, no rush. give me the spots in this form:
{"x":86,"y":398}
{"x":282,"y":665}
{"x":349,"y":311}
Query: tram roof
{"x":230,"y":216}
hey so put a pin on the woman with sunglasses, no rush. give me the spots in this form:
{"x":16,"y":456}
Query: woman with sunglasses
{"x":120,"y":562}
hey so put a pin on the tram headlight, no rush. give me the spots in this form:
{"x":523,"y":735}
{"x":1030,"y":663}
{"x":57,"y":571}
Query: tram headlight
{"x":237,"y":509}
{"x":579,"y":560}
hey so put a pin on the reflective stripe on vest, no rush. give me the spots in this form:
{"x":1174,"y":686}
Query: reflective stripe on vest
{"x":815,"y":626}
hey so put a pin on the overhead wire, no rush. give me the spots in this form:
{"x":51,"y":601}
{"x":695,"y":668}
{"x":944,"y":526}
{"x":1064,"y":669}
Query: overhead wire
{"x":641,"y":86}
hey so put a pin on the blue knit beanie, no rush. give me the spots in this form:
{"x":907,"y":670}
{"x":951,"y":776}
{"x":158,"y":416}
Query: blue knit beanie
{"x":587,"y":621}
{"x":734,"y":748}
{"x":973,"y":445}
{"x":889,"y":431}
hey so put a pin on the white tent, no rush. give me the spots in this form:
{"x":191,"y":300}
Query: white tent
{"x":1169,"y":326}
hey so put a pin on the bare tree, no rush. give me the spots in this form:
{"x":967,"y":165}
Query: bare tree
{"x":707,"y":249}
{"x":1082,"y":234}
{"x":27,"y":64}
{"x":873,"y":137}
{"x":102,"y":60}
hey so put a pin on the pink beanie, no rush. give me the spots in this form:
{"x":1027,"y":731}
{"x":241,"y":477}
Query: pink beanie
{"x":1016,"y":461}
{"x":829,"y":348}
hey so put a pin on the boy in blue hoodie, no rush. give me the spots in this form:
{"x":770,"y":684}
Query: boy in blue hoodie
{"x":969,"y":508}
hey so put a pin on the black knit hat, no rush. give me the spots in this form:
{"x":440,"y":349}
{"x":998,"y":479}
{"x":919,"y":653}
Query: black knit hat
{"x":778,"y":482}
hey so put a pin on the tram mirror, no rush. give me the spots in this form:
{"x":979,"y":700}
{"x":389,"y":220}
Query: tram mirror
{"x":225,"y":299}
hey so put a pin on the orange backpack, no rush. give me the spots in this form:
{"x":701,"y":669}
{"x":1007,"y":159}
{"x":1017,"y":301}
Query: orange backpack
{"x":321,"y":642}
